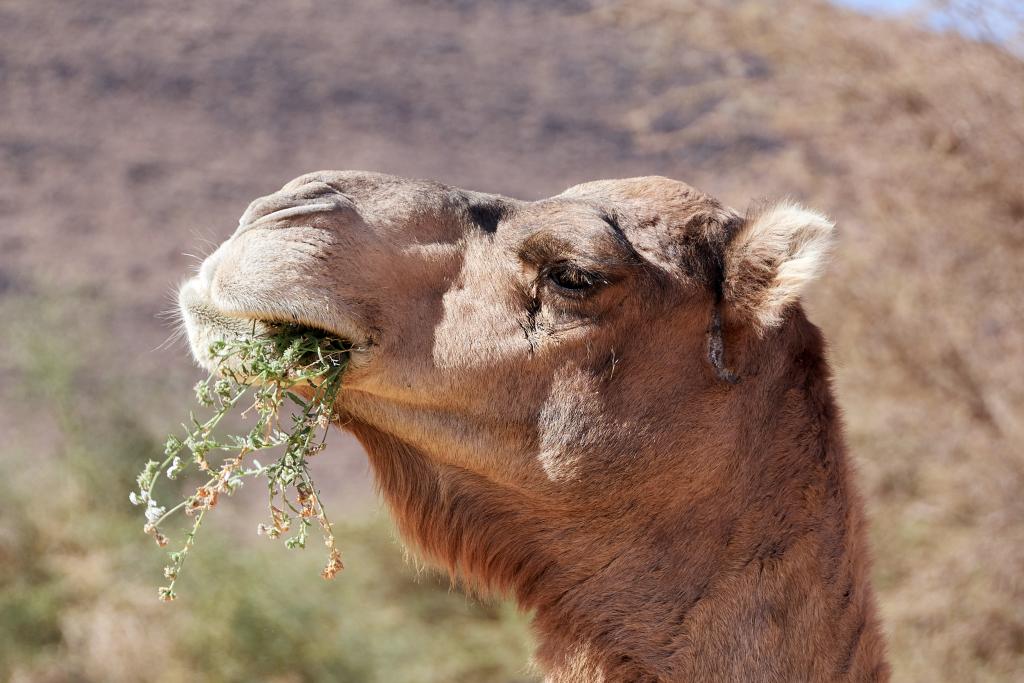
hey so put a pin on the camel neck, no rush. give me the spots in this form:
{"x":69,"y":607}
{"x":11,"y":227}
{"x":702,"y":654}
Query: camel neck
{"x":760,"y":606}
{"x":769,"y":581}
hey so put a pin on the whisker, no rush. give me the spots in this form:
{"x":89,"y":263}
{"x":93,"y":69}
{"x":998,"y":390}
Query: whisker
{"x":208,"y":242}
{"x":172,"y":339}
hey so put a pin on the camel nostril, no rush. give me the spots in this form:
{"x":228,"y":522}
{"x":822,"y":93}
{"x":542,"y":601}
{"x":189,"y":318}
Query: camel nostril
{"x":313,"y":190}
{"x":292,"y":211}
{"x":310,"y":198}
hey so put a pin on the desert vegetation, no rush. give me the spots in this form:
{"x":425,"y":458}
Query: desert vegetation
{"x":128,"y":135}
{"x":268,"y":368}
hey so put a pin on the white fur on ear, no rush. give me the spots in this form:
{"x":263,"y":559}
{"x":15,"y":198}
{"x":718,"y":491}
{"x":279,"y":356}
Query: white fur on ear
{"x":771,"y":258}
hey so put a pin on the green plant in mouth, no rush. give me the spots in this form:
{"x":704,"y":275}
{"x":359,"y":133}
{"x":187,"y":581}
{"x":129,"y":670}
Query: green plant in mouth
{"x":256,"y":376}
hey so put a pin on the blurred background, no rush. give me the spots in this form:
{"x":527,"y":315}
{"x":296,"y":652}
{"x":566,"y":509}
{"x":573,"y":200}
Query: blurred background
{"x":132,"y":136}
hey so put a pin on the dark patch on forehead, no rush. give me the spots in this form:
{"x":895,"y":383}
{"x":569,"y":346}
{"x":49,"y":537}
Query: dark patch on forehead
{"x":487,"y":213}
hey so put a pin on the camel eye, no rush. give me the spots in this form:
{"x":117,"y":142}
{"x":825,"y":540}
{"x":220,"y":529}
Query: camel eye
{"x":570,"y":278}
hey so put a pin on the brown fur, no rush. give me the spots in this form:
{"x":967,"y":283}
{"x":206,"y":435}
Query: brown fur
{"x":582,"y":453}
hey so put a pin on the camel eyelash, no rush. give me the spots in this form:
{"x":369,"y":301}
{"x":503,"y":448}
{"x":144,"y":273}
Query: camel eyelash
{"x":571,"y":280}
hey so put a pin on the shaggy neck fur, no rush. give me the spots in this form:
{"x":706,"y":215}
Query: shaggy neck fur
{"x":764,"y":578}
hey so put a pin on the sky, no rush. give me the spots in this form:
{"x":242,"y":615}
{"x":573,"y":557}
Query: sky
{"x":999,"y":21}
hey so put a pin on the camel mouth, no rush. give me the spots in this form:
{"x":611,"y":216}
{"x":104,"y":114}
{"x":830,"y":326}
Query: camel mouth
{"x":207,"y":323}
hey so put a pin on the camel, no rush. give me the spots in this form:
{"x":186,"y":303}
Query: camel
{"x":608,"y":404}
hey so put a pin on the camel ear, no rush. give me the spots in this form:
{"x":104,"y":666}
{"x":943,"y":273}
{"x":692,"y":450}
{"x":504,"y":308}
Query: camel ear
{"x":769,"y":260}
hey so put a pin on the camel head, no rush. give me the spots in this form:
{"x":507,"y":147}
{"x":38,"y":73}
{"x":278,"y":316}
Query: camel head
{"x":534,"y":345}
{"x":552,"y":394}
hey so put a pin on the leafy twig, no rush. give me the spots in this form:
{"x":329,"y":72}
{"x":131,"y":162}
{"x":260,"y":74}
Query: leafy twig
{"x":266,"y":369}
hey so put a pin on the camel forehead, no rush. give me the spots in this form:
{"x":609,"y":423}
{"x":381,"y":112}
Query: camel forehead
{"x":647,"y":198}
{"x":561,"y":214}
